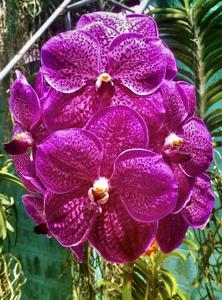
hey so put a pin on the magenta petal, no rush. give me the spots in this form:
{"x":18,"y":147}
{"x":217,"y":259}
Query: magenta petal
{"x":197,"y":143}
{"x":118,"y":237}
{"x":197,"y":211}
{"x":185,"y":185}
{"x":104,"y":35}
{"x":24,"y":103}
{"x":119,"y":128}
{"x":34,"y":207}
{"x":150,"y":107}
{"x":188,"y":91}
{"x":67,"y":159}
{"x":70,"y":59}
{"x":40,"y":85}
{"x":175,"y":103}
{"x":171,"y":232}
{"x":145,"y":25}
{"x":69,"y":110}
{"x":26,"y":171}
{"x":24,"y":164}
{"x":70,"y":216}
{"x":137,"y":62}
{"x":39,"y":132}
{"x":79,"y":252}
{"x":146,"y":184}
{"x":112,"y":20}
{"x":171,"y":68}
{"x":32,"y":184}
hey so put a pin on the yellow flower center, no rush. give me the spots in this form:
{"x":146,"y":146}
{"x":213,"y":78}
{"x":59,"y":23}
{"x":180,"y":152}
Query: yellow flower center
{"x":99,"y":193}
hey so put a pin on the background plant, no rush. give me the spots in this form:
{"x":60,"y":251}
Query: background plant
{"x":11,"y":273}
{"x":192,"y":29}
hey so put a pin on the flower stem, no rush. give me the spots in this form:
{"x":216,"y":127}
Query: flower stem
{"x":127,"y":281}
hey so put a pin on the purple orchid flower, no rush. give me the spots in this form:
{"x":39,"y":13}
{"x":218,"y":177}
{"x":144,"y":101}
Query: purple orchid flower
{"x":26,"y":110}
{"x":104,"y":186}
{"x":75,"y":59}
{"x":63,"y":111}
{"x":196,"y":213}
{"x":183,"y":139}
{"x":34,"y":207}
{"x":101,"y":24}
{"x":29,"y":130}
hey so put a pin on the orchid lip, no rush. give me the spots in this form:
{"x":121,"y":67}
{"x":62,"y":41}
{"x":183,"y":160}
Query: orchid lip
{"x":99,"y":193}
{"x":103,"y":78}
{"x":19,"y":144}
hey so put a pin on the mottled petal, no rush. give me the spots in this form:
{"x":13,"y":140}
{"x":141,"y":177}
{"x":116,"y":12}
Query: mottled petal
{"x":104,"y":35}
{"x":34,"y":207}
{"x":79,"y":252}
{"x":24,"y":164}
{"x":118,"y":237}
{"x":24,"y":103}
{"x":197,"y":142}
{"x":185,"y":185}
{"x":171,"y":68}
{"x":146,"y":184}
{"x":150,"y":107}
{"x":119,"y":128}
{"x":145,"y":25}
{"x":25,"y":168}
{"x":32,"y":184}
{"x":137,"y":62}
{"x":70,"y":216}
{"x":67,"y":159}
{"x":69,"y":110}
{"x":171,"y":232}
{"x":175,"y":103}
{"x":112,"y":20}
{"x":40,"y":85}
{"x":39,"y":132}
{"x":197,"y":211}
{"x":188,"y":91}
{"x":70,"y":60}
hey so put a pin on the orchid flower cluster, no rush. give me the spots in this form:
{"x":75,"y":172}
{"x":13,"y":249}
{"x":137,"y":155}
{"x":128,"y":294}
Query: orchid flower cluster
{"x":107,"y":142}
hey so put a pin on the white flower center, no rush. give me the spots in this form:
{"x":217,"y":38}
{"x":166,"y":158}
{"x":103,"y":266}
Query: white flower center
{"x":99,"y":193}
{"x":104,"y":77}
{"x":25,"y":136}
{"x":173,"y":140}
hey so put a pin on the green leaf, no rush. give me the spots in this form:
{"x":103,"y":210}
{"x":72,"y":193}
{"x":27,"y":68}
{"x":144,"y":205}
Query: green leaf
{"x":177,"y":254}
{"x":3,"y":229}
{"x":170,"y":279}
{"x":108,"y":284}
{"x":9,"y":227}
{"x":10,"y":178}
